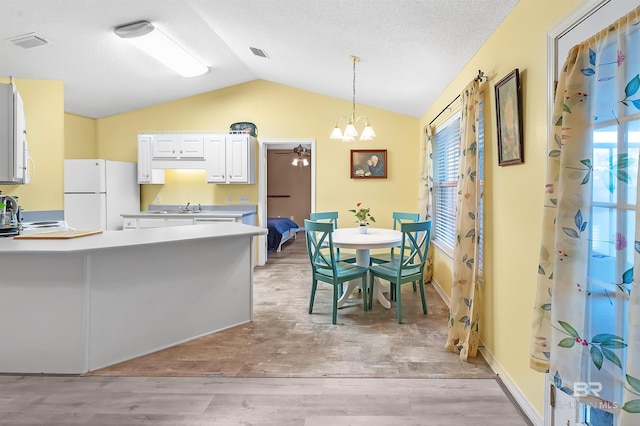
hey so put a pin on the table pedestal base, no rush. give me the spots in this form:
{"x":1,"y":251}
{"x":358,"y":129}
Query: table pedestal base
{"x":363,"y":258}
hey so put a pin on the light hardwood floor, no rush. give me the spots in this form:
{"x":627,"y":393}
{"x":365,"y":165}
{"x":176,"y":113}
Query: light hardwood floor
{"x":285,"y":368}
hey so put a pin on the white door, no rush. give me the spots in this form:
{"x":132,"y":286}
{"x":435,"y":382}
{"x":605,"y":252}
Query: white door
{"x":85,"y":212}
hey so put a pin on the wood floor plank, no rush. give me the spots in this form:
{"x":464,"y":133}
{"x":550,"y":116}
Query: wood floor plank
{"x":286,"y":368}
{"x":94,"y":400}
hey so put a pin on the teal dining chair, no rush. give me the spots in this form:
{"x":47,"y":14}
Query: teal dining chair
{"x":407,"y":266}
{"x":398,"y":219}
{"x":332,"y":217}
{"x":326,"y":268}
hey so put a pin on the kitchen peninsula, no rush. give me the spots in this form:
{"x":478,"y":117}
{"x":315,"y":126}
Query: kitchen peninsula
{"x":77,"y":305}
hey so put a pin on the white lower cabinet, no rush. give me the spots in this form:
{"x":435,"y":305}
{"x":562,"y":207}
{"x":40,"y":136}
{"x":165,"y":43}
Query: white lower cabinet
{"x":161,"y":221}
{"x":153,"y":222}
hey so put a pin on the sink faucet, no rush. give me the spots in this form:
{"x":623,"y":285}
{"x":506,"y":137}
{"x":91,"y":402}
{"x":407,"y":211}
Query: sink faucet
{"x":187,"y":206}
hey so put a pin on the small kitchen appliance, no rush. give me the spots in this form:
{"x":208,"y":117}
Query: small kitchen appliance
{"x":9,"y":216}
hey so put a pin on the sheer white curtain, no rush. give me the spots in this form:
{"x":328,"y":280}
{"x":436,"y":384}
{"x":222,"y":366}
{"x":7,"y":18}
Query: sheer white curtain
{"x":586,"y":328}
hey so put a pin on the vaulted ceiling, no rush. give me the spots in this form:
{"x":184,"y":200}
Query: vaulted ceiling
{"x":410,"y":50}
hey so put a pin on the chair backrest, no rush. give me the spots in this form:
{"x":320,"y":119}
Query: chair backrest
{"x":325,"y":217}
{"x":320,"y":244}
{"x":402,"y":217}
{"x":415,"y":244}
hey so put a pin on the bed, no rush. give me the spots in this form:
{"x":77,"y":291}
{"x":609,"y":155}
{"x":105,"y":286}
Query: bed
{"x":281,"y":230}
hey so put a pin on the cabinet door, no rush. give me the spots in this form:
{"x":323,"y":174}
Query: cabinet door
{"x":165,"y":146}
{"x":190,"y":146}
{"x":145,"y":173}
{"x":237,"y":159}
{"x":144,"y":159}
{"x":215,"y":148}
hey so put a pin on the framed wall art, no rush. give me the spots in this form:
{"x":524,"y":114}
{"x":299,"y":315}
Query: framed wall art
{"x":368,"y":164}
{"x":509,"y":119}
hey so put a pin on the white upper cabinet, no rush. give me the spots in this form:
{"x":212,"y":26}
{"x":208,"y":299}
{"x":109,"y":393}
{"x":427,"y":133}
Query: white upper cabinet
{"x":226,"y":158}
{"x":176,"y":146}
{"x":215,"y":147}
{"x":146,"y":174}
{"x":230,"y":158}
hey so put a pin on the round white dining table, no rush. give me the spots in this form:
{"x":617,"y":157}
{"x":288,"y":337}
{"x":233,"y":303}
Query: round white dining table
{"x":375,"y":238}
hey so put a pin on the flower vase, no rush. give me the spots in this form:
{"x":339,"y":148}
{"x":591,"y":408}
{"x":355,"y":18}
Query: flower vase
{"x":363,"y":228}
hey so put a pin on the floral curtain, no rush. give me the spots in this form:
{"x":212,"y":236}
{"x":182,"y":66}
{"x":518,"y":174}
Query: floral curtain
{"x":464,"y":315}
{"x":425,"y":205}
{"x":586,"y":325}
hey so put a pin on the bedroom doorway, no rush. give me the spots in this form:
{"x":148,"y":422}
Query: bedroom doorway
{"x":295,"y":185}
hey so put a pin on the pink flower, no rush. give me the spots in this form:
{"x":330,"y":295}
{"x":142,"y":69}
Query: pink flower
{"x":621,"y":241}
{"x":621,"y":58}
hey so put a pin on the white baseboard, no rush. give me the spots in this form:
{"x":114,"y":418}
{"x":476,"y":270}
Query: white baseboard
{"x":518,"y":396}
{"x":441,"y":292}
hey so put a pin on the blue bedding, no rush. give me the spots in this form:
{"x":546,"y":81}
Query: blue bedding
{"x":278,"y":226}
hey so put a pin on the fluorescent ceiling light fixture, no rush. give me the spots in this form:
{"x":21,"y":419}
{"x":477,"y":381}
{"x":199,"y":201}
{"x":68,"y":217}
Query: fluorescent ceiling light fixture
{"x":154,"y":43}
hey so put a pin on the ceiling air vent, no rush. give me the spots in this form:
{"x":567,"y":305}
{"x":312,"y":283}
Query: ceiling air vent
{"x":27,"y":41}
{"x":258,"y":52}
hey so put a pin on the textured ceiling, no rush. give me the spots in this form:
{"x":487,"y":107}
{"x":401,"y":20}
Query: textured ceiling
{"x":410,"y":49}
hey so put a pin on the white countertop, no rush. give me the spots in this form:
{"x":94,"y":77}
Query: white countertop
{"x":203,"y":214}
{"x":136,"y":237}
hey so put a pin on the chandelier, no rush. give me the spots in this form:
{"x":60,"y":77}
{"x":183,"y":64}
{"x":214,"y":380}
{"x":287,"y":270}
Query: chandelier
{"x":350,"y":131}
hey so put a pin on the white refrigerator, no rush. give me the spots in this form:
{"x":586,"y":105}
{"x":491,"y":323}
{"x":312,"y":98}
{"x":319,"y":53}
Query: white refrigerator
{"x":97,"y":192}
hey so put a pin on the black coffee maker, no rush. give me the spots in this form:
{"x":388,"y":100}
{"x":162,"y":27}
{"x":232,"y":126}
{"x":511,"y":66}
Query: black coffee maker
{"x":9,"y":216}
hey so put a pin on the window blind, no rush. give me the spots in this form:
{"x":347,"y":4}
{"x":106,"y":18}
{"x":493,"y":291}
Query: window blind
{"x":446,"y":156}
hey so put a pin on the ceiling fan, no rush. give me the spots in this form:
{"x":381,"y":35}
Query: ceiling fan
{"x":302,"y":155}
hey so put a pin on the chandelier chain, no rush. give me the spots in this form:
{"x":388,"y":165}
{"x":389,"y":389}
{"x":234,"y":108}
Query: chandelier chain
{"x":353,"y":114}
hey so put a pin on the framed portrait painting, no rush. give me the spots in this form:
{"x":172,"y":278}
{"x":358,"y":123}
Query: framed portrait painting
{"x":509,"y":119}
{"x":368,"y":164}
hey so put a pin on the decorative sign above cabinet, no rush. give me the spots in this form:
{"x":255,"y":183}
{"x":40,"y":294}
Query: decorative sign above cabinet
{"x":227,"y":158}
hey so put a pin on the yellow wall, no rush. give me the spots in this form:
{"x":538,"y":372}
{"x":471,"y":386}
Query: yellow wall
{"x":79,"y":137}
{"x":44,"y":112}
{"x":514,"y":194}
{"x":279,"y":112}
